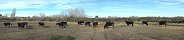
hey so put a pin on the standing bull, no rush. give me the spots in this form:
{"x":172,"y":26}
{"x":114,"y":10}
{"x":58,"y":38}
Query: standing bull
{"x":109,"y":24}
{"x":62,"y":24}
{"x":41,"y":24}
{"x":145,"y":22}
{"x":22,"y":24}
{"x":88,"y":23}
{"x":7,"y":24}
{"x":162,"y":23}
{"x":80,"y":22}
{"x":129,"y":22}
{"x":95,"y":24}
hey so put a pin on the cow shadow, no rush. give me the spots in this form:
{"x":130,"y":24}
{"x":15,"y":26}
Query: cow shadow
{"x":30,"y":27}
{"x":9,"y":27}
{"x":46,"y":26}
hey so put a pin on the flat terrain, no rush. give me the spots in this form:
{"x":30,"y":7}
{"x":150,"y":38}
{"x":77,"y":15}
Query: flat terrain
{"x":81,"y":32}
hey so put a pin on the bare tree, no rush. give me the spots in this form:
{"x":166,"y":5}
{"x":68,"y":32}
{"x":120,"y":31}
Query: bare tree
{"x":35,"y":17}
{"x":77,"y":12}
{"x":42,"y":15}
{"x":69,"y":14}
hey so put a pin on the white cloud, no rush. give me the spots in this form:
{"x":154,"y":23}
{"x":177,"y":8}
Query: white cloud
{"x":169,"y":2}
{"x":68,"y":7}
{"x":180,"y":1}
{"x":15,"y":4}
{"x":31,"y":3}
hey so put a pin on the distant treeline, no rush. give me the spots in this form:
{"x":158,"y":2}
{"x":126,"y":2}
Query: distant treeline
{"x":78,"y":14}
{"x":117,"y":19}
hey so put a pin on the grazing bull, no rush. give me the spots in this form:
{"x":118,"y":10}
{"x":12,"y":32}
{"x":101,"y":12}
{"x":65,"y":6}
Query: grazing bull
{"x":130,"y":23}
{"x":80,"y":22}
{"x":7,"y":24}
{"x":62,"y":24}
{"x":95,"y":24}
{"x":145,"y":22}
{"x":109,"y":24}
{"x":88,"y":23}
{"x":162,"y":23}
{"x":41,"y":24}
{"x":22,"y":24}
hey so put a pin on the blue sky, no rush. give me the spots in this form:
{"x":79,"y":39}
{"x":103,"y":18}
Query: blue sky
{"x":102,"y":8}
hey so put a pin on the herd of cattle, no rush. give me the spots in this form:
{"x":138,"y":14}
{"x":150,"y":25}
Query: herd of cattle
{"x":94,"y":24}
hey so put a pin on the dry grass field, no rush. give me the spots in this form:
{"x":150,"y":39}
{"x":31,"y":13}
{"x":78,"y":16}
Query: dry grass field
{"x":81,"y":32}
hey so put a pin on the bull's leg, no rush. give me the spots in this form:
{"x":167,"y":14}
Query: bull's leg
{"x":89,"y":25}
{"x":79,"y":23}
{"x":132,"y":25}
{"x":18,"y":26}
{"x":59,"y":26}
{"x":105,"y":27}
{"x":5,"y":27}
{"x":127,"y":24}
{"x":160,"y":25}
{"x":65,"y":26}
{"x":62,"y":26}
{"x":112,"y":27}
{"x":86,"y":25}
{"x":142,"y":24}
{"x":25,"y":26}
{"x":93,"y":26}
{"x":8,"y":26}
{"x":22,"y":26}
{"x":39,"y":25}
{"x":165,"y":25}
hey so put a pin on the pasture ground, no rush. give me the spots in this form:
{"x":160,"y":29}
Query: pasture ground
{"x":81,"y":32}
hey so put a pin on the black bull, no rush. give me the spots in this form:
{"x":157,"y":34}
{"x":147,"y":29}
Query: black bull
{"x":7,"y":24}
{"x":80,"y":22}
{"x":41,"y":23}
{"x":95,"y":24}
{"x":108,"y":24}
{"x":22,"y":24}
{"x":62,"y":24}
{"x":162,"y":23}
{"x":88,"y":23}
{"x":145,"y":22}
{"x":129,"y":23}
